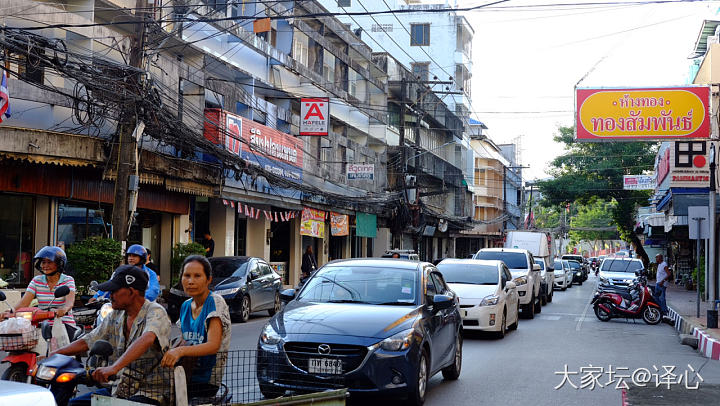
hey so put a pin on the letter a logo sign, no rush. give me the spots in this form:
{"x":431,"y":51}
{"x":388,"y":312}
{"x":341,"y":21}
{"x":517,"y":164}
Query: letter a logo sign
{"x":315,"y":115}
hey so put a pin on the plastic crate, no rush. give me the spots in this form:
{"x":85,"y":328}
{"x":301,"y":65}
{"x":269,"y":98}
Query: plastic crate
{"x":19,"y":342}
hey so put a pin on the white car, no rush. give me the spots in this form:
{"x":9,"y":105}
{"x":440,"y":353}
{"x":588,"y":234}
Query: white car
{"x":488,"y":296}
{"x":525,"y":273}
{"x":563,"y":275}
{"x":18,"y":393}
{"x":619,"y":271}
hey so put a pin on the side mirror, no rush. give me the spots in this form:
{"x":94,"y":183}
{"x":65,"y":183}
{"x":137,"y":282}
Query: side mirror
{"x":101,"y":348}
{"x":94,"y":285}
{"x":287,"y":295}
{"x":46,"y":330}
{"x":509,"y":285}
{"x":536,"y":267}
{"x":2,"y":296}
{"x":253,"y":275}
{"x":62,"y":291}
{"x":441,"y":302}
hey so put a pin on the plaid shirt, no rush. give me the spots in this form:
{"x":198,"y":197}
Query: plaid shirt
{"x":143,"y":376}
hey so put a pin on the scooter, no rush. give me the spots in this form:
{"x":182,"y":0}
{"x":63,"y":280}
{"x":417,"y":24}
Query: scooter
{"x":63,"y":373}
{"x":633,"y":303}
{"x":24,"y":348}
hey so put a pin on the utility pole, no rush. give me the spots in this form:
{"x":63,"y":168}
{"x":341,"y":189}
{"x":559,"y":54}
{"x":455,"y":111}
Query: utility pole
{"x":711,"y":269}
{"x":128,"y":133}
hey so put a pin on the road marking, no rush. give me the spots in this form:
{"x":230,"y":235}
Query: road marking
{"x":579,"y":323}
{"x":553,"y":318}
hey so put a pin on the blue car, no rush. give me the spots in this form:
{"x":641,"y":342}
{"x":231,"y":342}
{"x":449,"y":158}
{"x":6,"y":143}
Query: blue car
{"x":376,"y":326}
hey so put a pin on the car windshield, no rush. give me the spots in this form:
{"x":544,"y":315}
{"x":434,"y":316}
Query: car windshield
{"x":558,"y":266}
{"x":361,"y":284}
{"x":574,"y":265}
{"x":226,"y":268}
{"x":620,"y":265}
{"x":473,"y":274}
{"x":512,"y":260}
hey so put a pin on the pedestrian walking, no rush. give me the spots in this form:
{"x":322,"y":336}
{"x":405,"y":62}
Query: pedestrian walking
{"x":664,"y":274}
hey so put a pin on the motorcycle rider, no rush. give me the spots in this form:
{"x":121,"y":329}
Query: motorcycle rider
{"x":137,"y":255}
{"x":50,"y":261}
{"x":139,"y":331}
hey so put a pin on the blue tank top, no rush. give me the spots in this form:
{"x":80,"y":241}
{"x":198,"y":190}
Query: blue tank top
{"x":194,"y":331}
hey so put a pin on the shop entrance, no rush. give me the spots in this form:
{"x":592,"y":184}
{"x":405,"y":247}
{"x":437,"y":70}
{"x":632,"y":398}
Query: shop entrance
{"x":16,"y":236}
{"x":335,"y":249}
{"x":280,"y":248}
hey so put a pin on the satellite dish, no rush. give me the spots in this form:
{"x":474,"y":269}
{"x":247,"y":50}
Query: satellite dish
{"x":443,"y":226}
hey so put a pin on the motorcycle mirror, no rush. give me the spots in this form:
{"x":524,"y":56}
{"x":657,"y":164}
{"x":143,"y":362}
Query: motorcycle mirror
{"x":102,"y":348}
{"x":2,"y":296}
{"x":62,"y":291}
{"x":94,"y":285}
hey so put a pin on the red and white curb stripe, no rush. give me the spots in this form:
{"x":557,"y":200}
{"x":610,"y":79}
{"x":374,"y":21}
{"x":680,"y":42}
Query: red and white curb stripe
{"x":709,"y":347}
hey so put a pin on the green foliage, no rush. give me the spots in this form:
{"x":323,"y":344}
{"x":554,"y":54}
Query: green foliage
{"x":597,"y":213}
{"x":93,"y":259}
{"x":546,"y":217}
{"x":179,"y":253}
{"x":700,"y":284}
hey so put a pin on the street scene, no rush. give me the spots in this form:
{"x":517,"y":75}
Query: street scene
{"x":330,"y":202}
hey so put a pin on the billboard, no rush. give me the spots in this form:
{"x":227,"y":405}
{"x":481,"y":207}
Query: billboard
{"x":639,"y":182}
{"x":636,"y":114}
{"x":360,"y":171}
{"x":314,"y":116}
{"x":312,"y":223}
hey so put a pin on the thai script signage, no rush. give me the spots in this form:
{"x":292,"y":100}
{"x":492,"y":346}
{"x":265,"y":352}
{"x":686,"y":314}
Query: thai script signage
{"x":312,"y":223}
{"x":360,"y":171}
{"x":663,"y":165}
{"x":642,"y":114}
{"x":339,"y":224}
{"x":314,"y":116}
{"x":639,"y":182}
{"x":273,"y":150}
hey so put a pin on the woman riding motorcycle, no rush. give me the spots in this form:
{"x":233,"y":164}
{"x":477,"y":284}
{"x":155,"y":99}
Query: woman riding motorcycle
{"x":137,"y":255}
{"x":50,"y":261}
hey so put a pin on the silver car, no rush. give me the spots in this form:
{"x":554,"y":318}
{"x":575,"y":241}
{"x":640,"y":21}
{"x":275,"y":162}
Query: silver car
{"x":619,"y":271}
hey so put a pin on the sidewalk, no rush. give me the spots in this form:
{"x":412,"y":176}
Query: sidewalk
{"x":683,"y":310}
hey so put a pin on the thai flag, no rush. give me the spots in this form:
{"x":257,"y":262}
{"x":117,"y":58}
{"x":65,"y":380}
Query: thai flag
{"x":4,"y":97}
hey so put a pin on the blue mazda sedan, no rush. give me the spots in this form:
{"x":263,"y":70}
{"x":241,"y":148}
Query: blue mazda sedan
{"x":375,"y":326}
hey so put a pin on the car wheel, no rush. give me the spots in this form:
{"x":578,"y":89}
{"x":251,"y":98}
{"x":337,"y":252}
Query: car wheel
{"x":529,"y":310}
{"x":244,"y":313}
{"x":564,"y":288}
{"x":16,"y":373}
{"x":538,"y":305}
{"x":269,"y":392}
{"x":417,"y":397}
{"x":580,"y":283}
{"x":503,"y":325}
{"x":543,"y":299}
{"x":276,"y":305}
{"x":452,"y":372}
{"x":514,"y":326}
{"x":550,"y":296}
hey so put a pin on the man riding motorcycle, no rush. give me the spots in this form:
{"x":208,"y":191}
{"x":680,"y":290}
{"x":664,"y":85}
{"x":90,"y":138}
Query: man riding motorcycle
{"x":139,"y":332}
{"x":137,"y":255}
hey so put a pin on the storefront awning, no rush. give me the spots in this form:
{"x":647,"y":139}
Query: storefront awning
{"x":44,"y":159}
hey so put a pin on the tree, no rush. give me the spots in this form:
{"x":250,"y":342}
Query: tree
{"x":589,"y":171}
{"x":179,"y":252}
{"x":594,"y":215}
{"x":93,"y":259}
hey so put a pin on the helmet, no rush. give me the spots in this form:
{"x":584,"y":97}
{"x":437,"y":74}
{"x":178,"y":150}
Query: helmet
{"x":55,"y":254}
{"x":138,"y":250}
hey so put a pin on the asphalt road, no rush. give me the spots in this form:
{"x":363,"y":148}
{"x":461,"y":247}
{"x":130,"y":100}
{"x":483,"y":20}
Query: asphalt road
{"x":525,"y":367}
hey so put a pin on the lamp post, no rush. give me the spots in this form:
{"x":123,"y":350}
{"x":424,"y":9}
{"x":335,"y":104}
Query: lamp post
{"x":711,"y":276}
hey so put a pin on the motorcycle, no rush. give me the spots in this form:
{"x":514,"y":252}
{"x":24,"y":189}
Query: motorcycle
{"x":63,"y":373}
{"x":636,"y":301}
{"x":24,"y":348}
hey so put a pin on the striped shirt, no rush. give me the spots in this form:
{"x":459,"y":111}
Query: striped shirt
{"x":39,"y":287}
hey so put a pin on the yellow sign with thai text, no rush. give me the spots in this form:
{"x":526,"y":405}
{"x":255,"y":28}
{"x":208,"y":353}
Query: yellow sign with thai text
{"x":642,"y":114}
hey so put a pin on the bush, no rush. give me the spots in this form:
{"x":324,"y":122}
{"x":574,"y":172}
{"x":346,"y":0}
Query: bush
{"x":179,"y":253}
{"x":93,"y":259}
{"x":700,"y":284}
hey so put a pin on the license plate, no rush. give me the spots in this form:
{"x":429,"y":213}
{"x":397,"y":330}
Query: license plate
{"x":325,"y":366}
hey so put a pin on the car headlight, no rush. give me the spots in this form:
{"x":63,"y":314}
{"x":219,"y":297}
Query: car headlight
{"x":269,"y":336}
{"x":491,"y":300}
{"x":398,"y":342}
{"x":46,"y":373}
{"x":578,"y":273}
{"x":105,"y":310}
{"x":24,"y":315}
{"x":223,"y":292}
{"x":603,"y":279}
{"x":520,"y":280}
{"x":178,"y":292}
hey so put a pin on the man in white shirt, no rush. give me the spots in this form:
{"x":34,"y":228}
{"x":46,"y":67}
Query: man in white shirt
{"x":661,"y":281}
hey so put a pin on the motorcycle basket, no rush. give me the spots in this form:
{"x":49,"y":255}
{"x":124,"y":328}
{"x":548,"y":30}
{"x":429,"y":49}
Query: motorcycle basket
{"x":19,"y":341}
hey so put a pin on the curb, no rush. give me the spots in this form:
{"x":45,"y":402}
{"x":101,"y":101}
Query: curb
{"x":707,"y":346}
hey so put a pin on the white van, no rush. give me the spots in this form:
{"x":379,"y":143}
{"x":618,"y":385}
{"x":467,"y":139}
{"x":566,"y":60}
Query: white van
{"x":540,"y":246}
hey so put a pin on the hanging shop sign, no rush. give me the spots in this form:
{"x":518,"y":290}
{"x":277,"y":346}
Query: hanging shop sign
{"x":689,"y":164}
{"x":638,"y":182}
{"x":312,"y":223}
{"x":259,"y":145}
{"x":314,"y":116}
{"x":339,"y":225}
{"x":360,"y":171}
{"x":366,"y":225}
{"x":632,"y":114}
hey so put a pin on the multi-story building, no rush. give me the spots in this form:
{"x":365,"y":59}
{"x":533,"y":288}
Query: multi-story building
{"x":513,"y":186}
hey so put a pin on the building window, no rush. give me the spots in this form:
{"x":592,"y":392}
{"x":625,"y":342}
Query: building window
{"x":77,"y":222}
{"x":421,"y":70}
{"x":462,"y":78}
{"x":300,"y":48}
{"x":419,"y":34}
{"x":328,"y":67}
{"x":353,"y":78}
{"x":344,"y":3}
{"x":16,"y":241}
{"x":218,"y":5}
